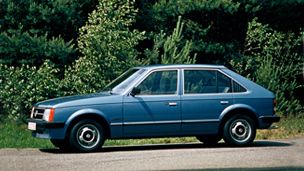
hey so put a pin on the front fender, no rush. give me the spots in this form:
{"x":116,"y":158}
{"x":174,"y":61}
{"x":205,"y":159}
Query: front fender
{"x":86,"y":111}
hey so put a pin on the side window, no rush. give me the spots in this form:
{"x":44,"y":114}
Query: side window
{"x":159,"y":83}
{"x":223,"y":83}
{"x":206,"y":81}
{"x":238,"y":88}
{"x":199,"y":81}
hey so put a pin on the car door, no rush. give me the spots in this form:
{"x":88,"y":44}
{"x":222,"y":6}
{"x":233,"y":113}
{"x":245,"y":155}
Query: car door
{"x":155,"y":110}
{"x":206,"y":93}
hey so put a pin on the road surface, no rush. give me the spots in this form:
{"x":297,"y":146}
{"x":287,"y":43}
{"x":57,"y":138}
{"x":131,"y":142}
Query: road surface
{"x":262,"y":155}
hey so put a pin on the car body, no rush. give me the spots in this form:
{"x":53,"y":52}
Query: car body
{"x":210,"y":102}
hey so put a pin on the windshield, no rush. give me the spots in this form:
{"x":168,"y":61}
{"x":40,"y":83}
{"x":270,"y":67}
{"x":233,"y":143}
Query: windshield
{"x":118,"y":85}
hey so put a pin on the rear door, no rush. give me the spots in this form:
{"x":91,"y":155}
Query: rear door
{"x":206,"y":93}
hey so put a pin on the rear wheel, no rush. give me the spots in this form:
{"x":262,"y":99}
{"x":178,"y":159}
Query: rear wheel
{"x":87,"y":136}
{"x":209,"y":139}
{"x":239,"y":130}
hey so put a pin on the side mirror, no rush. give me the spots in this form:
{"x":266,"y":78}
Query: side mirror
{"x":135,"y":91}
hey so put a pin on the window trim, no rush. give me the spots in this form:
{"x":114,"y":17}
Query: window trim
{"x":156,"y":70}
{"x":211,"y":69}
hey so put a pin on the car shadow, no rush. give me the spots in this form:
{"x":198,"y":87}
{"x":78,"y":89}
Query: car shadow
{"x":259,"y":144}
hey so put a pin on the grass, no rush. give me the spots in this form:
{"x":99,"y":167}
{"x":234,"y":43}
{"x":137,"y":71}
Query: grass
{"x":289,"y":127}
{"x":13,"y":135}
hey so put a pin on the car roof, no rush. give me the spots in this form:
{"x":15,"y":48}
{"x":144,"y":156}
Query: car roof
{"x":171,"y":66}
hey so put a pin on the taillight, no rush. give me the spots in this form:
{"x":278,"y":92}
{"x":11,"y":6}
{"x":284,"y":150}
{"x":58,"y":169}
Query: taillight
{"x":274,"y":102}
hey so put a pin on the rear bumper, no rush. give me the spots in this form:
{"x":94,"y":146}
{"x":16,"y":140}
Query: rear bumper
{"x":270,"y":119}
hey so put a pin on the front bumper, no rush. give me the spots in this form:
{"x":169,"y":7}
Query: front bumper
{"x":43,"y":125}
{"x":270,"y":119}
{"x":43,"y":129}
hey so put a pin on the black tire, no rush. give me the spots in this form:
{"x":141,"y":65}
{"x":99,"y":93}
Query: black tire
{"x":209,"y":140}
{"x":86,"y":136}
{"x":61,"y":144}
{"x":239,"y":130}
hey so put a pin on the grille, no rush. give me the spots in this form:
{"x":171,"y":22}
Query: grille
{"x":38,"y":113}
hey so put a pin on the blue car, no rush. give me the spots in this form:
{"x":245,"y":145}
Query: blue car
{"x":210,"y":102}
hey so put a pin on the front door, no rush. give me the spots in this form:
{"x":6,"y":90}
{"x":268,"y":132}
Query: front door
{"x":155,"y":111}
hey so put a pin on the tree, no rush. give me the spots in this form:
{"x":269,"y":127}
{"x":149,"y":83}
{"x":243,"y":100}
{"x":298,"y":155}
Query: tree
{"x":18,"y":48}
{"x":170,"y":49}
{"x":107,"y":44}
{"x":274,"y":60}
{"x":32,"y":31}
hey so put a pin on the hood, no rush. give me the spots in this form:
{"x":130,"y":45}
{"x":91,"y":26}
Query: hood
{"x":78,"y":100}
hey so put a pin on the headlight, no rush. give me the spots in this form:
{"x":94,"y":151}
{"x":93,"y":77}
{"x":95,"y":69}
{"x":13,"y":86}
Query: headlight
{"x":49,"y":114}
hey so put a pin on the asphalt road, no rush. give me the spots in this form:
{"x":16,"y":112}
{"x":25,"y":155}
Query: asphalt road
{"x":262,"y":155}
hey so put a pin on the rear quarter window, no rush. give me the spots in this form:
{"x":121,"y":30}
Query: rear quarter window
{"x":237,"y":88}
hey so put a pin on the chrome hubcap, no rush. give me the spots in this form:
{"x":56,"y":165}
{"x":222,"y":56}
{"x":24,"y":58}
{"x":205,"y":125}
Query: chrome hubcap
{"x":240,"y":130}
{"x":88,"y":136}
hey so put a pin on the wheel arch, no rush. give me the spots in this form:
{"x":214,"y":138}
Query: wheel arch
{"x":88,"y":114}
{"x":238,"y":109}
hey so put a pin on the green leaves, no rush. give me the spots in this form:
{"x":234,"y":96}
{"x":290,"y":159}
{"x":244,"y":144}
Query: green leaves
{"x":21,"y":87}
{"x":170,"y":49}
{"x":24,"y":48}
{"x":32,"y":31}
{"x":273,"y":60}
{"x":107,"y":45}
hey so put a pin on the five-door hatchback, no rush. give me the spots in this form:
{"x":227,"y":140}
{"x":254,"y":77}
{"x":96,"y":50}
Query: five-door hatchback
{"x":207,"y":101}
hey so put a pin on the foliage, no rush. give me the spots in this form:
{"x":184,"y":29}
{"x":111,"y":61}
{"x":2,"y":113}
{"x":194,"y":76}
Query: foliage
{"x":22,"y":86}
{"x":273,"y":59}
{"x":210,"y":25}
{"x":54,"y":17}
{"x":24,"y":48}
{"x":272,"y":77}
{"x":34,"y":30}
{"x":107,"y":45}
{"x":166,"y":49}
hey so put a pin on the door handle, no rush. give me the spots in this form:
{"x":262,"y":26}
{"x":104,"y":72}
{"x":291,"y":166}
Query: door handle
{"x":223,"y":102}
{"x":172,"y":103}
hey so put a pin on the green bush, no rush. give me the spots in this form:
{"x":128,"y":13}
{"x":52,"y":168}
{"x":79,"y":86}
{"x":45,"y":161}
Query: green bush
{"x":272,"y":77}
{"x":273,"y":59}
{"x":108,"y":47}
{"x":210,"y":25}
{"x":21,"y":87}
{"x":57,"y":18}
{"x":18,"y":48}
{"x":34,"y":30}
{"x":170,"y":49}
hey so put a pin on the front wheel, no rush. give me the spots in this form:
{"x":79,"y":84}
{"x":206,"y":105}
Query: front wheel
{"x":239,"y":130}
{"x":87,"y":136}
